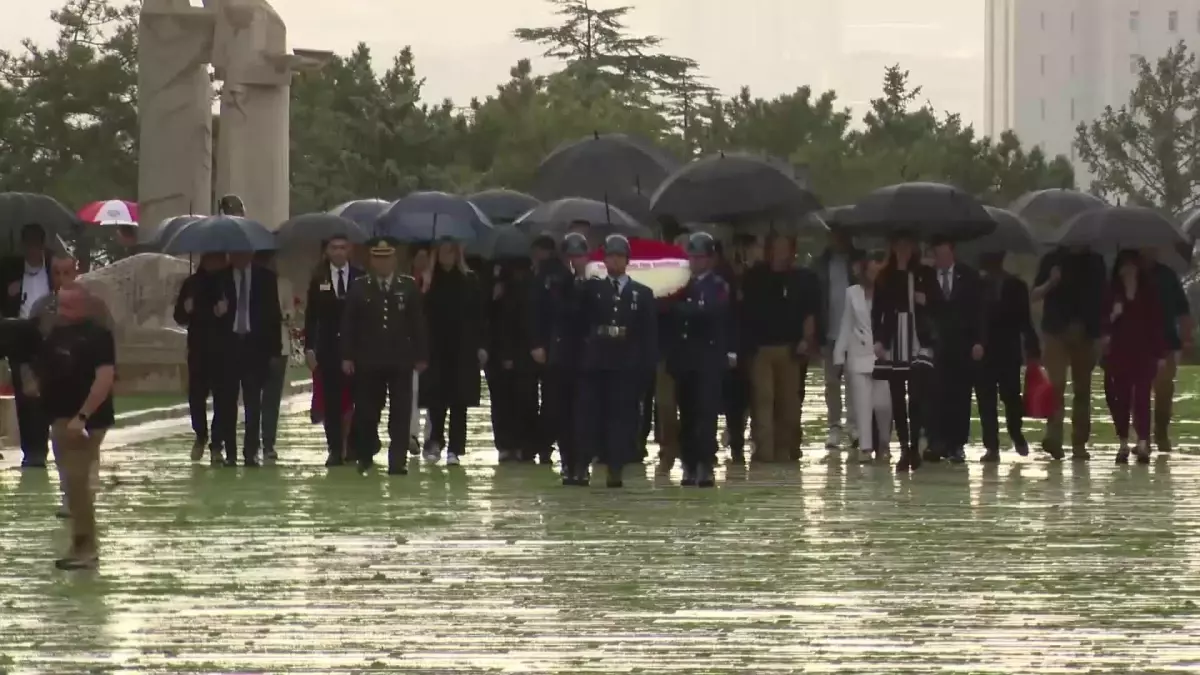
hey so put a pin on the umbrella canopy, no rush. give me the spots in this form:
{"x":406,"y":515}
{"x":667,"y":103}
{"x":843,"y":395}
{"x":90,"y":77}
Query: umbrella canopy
{"x":313,"y":229}
{"x":555,"y":218}
{"x":18,"y":209}
{"x":503,"y":205}
{"x":1110,"y":229}
{"x":732,"y":188}
{"x":168,"y":227}
{"x":113,"y":212}
{"x":506,"y":242}
{"x":1012,"y":235}
{"x":432,"y":216}
{"x":833,"y":216}
{"x":1188,"y":221}
{"x":924,"y":209}
{"x":601,"y":164}
{"x":364,"y":212}
{"x":221,"y":234}
{"x":1047,"y":210}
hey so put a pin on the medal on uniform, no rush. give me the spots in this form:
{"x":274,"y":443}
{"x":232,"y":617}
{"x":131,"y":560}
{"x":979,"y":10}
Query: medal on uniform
{"x":701,"y":303}
{"x":633,"y":305}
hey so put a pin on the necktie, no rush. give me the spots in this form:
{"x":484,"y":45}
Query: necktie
{"x":243,"y":309}
{"x":946,"y":283}
{"x":341,"y":287}
{"x":617,"y":285}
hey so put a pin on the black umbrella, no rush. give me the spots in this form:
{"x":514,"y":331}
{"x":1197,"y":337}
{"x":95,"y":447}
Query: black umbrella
{"x":506,"y":242}
{"x":833,"y":216}
{"x":556,"y":217}
{"x":1012,"y":235}
{"x":733,"y":188}
{"x":313,"y":229}
{"x":221,"y":234}
{"x":1188,"y":220}
{"x":1047,"y":210}
{"x":926,"y":210}
{"x":432,"y":216}
{"x":18,"y":209}
{"x":1111,"y":229}
{"x":167,"y":229}
{"x":502,"y":205}
{"x":364,"y":212}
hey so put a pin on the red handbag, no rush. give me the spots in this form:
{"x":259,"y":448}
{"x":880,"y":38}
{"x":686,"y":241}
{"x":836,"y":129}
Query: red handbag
{"x":1040,"y":402}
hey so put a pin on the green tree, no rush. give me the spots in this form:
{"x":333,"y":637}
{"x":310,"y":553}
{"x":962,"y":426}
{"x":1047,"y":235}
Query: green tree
{"x":1148,"y":150}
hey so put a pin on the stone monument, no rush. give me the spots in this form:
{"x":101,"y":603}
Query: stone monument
{"x":245,"y":43}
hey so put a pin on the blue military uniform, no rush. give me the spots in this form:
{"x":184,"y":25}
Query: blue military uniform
{"x":698,"y":360}
{"x":557,"y":331}
{"x":620,"y":350}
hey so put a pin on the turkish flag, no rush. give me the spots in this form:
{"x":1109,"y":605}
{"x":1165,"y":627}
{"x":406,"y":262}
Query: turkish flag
{"x":661,"y":266}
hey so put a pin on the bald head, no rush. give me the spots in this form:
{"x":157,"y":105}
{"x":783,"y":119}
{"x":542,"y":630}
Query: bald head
{"x":63,"y":271}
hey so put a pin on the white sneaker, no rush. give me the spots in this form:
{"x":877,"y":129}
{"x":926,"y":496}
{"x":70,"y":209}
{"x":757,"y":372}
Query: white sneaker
{"x":433,"y":451}
{"x":451,"y":459}
{"x":834,"y":439}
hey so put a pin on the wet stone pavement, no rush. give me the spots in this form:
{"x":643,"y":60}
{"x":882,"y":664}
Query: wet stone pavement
{"x":1030,"y":567}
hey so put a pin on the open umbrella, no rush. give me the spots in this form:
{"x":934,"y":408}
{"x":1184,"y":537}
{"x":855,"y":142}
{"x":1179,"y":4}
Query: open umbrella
{"x":555,"y":218}
{"x":733,"y":188}
{"x":1047,"y":210}
{"x":924,"y":209}
{"x":110,"y":213}
{"x":364,"y":212}
{"x":505,"y":242}
{"x":502,"y":205}
{"x":600,"y":164}
{"x":18,"y":209}
{"x":1110,"y":229}
{"x":432,"y":216}
{"x":1012,"y":235}
{"x":312,"y":229}
{"x":221,"y":234}
{"x":167,"y":229}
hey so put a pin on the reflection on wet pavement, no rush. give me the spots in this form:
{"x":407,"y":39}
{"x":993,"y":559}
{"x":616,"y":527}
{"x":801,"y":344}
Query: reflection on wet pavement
{"x":1029,"y":567}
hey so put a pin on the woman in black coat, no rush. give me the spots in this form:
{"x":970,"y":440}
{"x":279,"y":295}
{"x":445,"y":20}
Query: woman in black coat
{"x":511,"y":372}
{"x":454,"y":310}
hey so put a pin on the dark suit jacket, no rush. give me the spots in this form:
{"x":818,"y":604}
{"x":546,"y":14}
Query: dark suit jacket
{"x":323,"y":311}
{"x":266,"y":317}
{"x":959,"y":321}
{"x":1011,"y":337}
{"x":12,"y":268}
{"x":201,"y":324}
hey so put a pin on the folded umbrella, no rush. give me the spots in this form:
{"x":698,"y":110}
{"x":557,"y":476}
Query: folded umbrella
{"x":18,"y":209}
{"x":432,"y":216}
{"x":221,"y":234}
{"x":1111,"y":229}
{"x":505,"y":242}
{"x":364,"y":212}
{"x":502,"y":205}
{"x":926,"y":210}
{"x":555,"y":218}
{"x":733,"y":188}
{"x":313,"y":229}
{"x":603,"y":166}
{"x":1012,"y":235}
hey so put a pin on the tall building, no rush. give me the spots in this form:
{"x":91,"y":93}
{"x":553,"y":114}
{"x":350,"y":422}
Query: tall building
{"x":1051,"y":64}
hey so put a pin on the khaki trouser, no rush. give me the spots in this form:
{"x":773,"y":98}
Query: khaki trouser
{"x":1072,"y":350}
{"x":77,"y":458}
{"x":667,"y":409}
{"x":1164,"y":395}
{"x":775,"y":382}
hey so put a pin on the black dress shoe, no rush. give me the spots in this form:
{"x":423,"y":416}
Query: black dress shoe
{"x":252,"y":463}
{"x":957,"y":456}
{"x":569,"y":481}
{"x":71,"y":564}
{"x":365,"y":465}
{"x":614,"y":478}
{"x":991,"y":457}
{"x":230,"y":462}
{"x":704,"y":477}
{"x":398,"y":470}
{"x":689,"y":477}
{"x":334,"y":460}
{"x":583,"y":480}
{"x":34,"y":464}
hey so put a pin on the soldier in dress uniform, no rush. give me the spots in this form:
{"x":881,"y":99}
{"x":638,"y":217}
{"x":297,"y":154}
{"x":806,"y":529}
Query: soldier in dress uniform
{"x":384,"y":339}
{"x":701,"y":352}
{"x":620,"y":351}
{"x":556,"y":347}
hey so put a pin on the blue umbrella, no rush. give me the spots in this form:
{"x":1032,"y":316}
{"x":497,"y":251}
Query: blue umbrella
{"x":502,"y":205}
{"x":363,"y":212}
{"x":432,"y":216}
{"x":221,"y":234}
{"x":168,"y":227}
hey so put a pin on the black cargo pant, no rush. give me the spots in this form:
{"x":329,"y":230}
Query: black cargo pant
{"x":374,"y":386}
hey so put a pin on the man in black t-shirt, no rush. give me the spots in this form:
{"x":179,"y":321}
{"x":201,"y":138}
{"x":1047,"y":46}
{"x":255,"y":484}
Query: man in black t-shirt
{"x":76,"y":368}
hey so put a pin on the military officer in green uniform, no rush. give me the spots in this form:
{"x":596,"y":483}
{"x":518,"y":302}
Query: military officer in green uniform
{"x":384,"y":340}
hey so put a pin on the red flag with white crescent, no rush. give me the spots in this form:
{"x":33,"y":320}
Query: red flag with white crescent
{"x":661,"y":266}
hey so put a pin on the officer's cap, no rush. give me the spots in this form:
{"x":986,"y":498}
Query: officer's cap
{"x":381,"y":247}
{"x":616,"y":244}
{"x":701,"y":243}
{"x":574,"y":244}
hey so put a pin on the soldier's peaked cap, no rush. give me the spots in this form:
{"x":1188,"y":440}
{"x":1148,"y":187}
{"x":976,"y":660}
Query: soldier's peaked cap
{"x":616,"y":244}
{"x":701,"y":243}
{"x":574,"y":244}
{"x":381,"y":247}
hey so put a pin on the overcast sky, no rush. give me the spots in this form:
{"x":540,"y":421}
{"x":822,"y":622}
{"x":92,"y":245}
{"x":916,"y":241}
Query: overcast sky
{"x":464,"y":47}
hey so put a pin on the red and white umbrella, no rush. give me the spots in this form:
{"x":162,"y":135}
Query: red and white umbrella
{"x":114,"y":212}
{"x":661,"y":266}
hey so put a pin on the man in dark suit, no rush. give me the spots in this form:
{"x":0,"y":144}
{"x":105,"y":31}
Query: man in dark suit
{"x":384,"y":339}
{"x":1010,"y":340}
{"x":323,"y":337}
{"x":250,"y":334}
{"x":194,"y":310}
{"x":958,"y":345}
{"x":26,"y":280}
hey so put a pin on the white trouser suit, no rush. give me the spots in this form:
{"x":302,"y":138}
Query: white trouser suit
{"x":855,"y":351}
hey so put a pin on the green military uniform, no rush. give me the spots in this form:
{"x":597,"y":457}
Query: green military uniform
{"x":384,"y":337}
